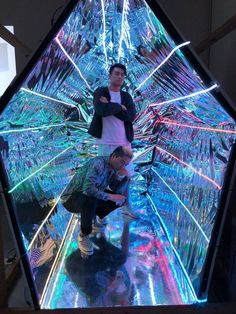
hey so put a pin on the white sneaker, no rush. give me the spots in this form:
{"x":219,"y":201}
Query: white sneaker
{"x":99,"y":226}
{"x":126,"y":210}
{"x":85,"y":245}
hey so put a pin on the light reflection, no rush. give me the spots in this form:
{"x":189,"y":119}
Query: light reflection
{"x":190,"y":167}
{"x":38,"y":128}
{"x":47,"y":97}
{"x":104,"y":32}
{"x":151,"y":287}
{"x":124,"y":13}
{"x":172,"y":122}
{"x":69,"y":58}
{"x":174,"y":250}
{"x":204,"y":91}
{"x":188,"y":211}
{"x":162,"y":63}
{"x":34,"y":173}
{"x":44,"y":294}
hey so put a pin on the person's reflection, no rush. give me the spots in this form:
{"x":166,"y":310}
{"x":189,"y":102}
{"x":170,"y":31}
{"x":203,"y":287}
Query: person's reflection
{"x":168,"y":76}
{"x":42,"y":254}
{"x":4,"y":148}
{"x":103,"y":278}
{"x":150,"y":56}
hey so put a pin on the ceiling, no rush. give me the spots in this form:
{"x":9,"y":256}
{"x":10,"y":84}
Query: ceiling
{"x":32,"y":19}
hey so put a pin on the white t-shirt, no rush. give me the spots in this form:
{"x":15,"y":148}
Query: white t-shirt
{"x":113,"y":129}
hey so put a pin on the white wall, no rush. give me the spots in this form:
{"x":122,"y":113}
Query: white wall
{"x":31,"y":20}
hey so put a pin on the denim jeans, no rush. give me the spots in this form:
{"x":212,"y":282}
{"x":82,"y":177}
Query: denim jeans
{"x":88,"y":207}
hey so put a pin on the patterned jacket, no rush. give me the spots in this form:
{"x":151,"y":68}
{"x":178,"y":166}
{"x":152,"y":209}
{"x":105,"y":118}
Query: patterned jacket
{"x":92,"y":179}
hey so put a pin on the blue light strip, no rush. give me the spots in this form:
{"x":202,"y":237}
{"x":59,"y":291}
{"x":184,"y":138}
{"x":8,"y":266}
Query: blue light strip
{"x":139,"y":155}
{"x":32,"y":174}
{"x":188,"y":211}
{"x":174,"y":250}
{"x":162,"y":63}
{"x":69,"y":58}
{"x":122,"y":27}
{"x":47,"y":97}
{"x":104,"y":32}
{"x":45,"y":219}
{"x":203,"y":91}
{"x":33,"y":129}
{"x":44,"y":293}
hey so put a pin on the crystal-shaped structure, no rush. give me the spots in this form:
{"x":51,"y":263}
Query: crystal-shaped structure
{"x":184,"y":138}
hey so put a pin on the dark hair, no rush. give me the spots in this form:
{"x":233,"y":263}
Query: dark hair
{"x":118,"y":65}
{"x":122,"y":151}
{"x":139,"y":49}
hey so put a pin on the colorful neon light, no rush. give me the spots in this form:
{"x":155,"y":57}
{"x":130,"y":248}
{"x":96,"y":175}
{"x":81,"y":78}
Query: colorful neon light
{"x":188,"y":211}
{"x":167,"y":121}
{"x":47,"y":97}
{"x":33,"y":129}
{"x":162,"y":63}
{"x":32,"y":174}
{"x":151,"y":287}
{"x":169,"y":278}
{"x":203,"y":91}
{"x":190,"y":167}
{"x":69,"y":58}
{"x":45,"y":220}
{"x":42,"y":300}
{"x":104,"y":32}
{"x":125,"y":7}
{"x":174,"y":250}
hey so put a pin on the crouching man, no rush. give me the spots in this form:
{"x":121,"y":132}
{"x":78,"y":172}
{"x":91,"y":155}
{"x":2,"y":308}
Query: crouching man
{"x":97,"y":188}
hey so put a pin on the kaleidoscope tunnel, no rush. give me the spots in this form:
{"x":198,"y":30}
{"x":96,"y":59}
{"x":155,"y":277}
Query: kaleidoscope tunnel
{"x":184,"y":139}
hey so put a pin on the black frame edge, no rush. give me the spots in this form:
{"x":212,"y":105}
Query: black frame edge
{"x":11,"y":214}
{"x":192,"y":57}
{"x":219,"y":223}
{"x":19,"y":79}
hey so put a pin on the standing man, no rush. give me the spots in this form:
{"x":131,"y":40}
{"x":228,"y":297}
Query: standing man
{"x":114,"y":113}
{"x":88,"y":194}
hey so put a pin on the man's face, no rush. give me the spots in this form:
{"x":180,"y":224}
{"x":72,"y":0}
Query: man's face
{"x":118,"y":163}
{"x":117,"y":77}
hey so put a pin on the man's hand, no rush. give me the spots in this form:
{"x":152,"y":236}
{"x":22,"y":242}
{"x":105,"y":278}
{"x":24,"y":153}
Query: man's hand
{"x":117,"y":198}
{"x":123,"y":107}
{"x":123,"y":173}
{"x":104,"y":99}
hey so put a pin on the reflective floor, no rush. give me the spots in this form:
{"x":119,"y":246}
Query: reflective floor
{"x":133,"y":265}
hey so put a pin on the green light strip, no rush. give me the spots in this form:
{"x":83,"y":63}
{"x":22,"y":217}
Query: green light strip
{"x":32,"y":174}
{"x":33,"y":129}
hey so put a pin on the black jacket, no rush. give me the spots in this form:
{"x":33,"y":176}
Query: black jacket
{"x":110,"y":108}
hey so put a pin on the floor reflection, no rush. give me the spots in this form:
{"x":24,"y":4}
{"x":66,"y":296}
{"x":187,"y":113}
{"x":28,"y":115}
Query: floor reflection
{"x":134,"y":265}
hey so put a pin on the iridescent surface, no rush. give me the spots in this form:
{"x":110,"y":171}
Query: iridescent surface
{"x":180,"y":128}
{"x":135,"y":265}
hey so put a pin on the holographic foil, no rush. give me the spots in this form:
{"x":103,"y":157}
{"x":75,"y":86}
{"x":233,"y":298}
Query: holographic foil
{"x":183,"y":140}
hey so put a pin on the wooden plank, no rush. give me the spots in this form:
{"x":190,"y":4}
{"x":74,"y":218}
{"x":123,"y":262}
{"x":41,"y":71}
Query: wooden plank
{"x":215,"y":36}
{"x":13,"y":40}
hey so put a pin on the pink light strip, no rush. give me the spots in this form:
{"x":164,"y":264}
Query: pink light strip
{"x":203,"y":91}
{"x":167,"y":121}
{"x":190,"y":167}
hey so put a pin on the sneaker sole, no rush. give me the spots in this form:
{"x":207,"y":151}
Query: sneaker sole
{"x":86,"y":252}
{"x":90,"y":252}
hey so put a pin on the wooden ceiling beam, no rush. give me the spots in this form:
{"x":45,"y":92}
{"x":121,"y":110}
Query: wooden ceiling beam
{"x":13,"y":40}
{"x":219,"y":33}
